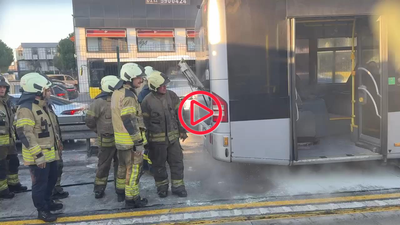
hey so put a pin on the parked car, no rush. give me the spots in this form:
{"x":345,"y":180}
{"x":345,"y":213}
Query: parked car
{"x":64,"y":78}
{"x":70,"y":91}
{"x":67,"y":111}
{"x":180,"y":85}
{"x":71,"y":116}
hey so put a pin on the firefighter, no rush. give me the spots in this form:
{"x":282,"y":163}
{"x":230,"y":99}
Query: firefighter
{"x":9,"y":162}
{"x":145,"y":91}
{"x":98,"y":119}
{"x":160,"y":114}
{"x":36,"y":127}
{"x":129,"y":131}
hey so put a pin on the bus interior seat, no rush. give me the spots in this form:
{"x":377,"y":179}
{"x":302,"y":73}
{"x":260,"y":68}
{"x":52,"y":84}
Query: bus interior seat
{"x":318,"y":107}
{"x":338,"y":101}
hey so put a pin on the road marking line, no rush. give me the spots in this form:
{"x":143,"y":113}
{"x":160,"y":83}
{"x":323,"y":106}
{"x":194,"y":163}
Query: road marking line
{"x":290,"y":215}
{"x":210,"y":208}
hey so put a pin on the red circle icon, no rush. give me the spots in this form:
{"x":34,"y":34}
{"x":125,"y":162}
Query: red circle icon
{"x":210,"y":112}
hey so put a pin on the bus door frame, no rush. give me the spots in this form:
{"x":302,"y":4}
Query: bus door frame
{"x":364,"y":140}
{"x":292,"y":85}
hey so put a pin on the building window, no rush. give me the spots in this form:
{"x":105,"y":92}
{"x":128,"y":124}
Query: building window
{"x":190,"y":42}
{"x":34,"y":51}
{"x":156,"y":40}
{"x":105,"y":40}
{"x":334,"y":60}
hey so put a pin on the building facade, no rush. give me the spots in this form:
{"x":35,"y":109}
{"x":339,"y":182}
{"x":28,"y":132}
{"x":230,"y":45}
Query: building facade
{"x":158,"y":33}
{"x":36,"y":57}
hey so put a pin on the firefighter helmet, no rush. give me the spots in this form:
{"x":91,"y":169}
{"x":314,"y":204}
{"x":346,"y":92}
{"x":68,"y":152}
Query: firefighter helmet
{"x":34,"y":83}
{"x":108,"y":83}
{"x":4,"y":82}
{"x":129,"y":71}
{"x":157,"y":79}
{"x":148,"y":70}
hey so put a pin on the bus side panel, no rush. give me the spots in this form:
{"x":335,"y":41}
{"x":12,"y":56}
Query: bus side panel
{"x":393,"y":132}
{"x":259,"y":103}
{"x":257,"y":60}
{"x":393,"y":99}
{"x":261,"y":140}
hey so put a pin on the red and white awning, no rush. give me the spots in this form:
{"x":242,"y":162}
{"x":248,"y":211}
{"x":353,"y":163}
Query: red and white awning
{"x":105,"y":33}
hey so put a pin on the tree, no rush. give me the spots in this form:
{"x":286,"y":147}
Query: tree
{"x":6,"y":57}
{"x":64,"y":60}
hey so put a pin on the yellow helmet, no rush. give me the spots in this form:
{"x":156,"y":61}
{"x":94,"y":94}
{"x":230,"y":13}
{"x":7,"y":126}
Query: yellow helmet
{"x":108,"y":83}
{"x":156,"y":79}
{"x":129,"y":71}
{"x":34,"y":83}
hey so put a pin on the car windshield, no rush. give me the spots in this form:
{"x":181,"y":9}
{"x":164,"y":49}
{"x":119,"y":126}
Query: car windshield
{"x":178,"y":83}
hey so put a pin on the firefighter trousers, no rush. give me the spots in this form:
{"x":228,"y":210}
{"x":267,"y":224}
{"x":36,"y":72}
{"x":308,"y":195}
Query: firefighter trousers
{"x":107,"y":155}
{"x":43,"y":182}
{"x":60,"y":166}
{"x":129,"y":171}
{"x":159,"y":155}
{"x":9,"y":164}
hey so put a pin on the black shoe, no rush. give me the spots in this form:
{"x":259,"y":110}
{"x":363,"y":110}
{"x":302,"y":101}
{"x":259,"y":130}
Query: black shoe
{"x":121,"y":197}
{"x":7,"y":195}
{"x":98,"y":194}
{"x":162,"y":194}
{"x":139,"y":203}
{"x":17,"y":188}
{"x":55,"y":206}
{"x":181,"y":193}
{"x":46,"y":216}
{"x":60,"y":195}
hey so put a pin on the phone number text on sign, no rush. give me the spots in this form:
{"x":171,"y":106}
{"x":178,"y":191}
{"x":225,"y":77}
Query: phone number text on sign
{"x":168,"y":2}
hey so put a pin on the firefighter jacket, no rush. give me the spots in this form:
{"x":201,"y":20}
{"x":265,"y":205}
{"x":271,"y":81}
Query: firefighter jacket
{"x":37,"y":128}
{"x":160,"y":114}
{"x":98,"y":119}
{"x":127,"y":120}
{"x":7,"y":132}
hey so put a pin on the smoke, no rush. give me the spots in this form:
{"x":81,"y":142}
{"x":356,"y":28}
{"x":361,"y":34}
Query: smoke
{"x":216,"y":181}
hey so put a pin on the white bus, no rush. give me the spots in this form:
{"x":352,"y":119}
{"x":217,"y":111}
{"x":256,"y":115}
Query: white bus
{"x":300,"y":81}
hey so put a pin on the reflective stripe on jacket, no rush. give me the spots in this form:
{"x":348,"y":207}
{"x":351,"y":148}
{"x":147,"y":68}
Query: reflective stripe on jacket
{"x":127,"y":119}
{"x":37,"y":128}
{"x":160,"y":114}
{"x":98,"y":118}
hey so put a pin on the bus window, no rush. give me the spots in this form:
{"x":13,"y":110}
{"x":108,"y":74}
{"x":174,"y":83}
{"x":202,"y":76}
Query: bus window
{"x":334,"y":59}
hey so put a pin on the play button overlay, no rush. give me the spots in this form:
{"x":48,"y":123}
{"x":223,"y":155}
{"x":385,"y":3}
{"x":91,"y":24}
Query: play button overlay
{"x":194,"y":105}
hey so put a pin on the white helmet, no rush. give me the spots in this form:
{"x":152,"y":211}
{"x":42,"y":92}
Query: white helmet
{"x":148,"y":70}
{"x":108,"y":83}
{"x":129,"y":71}
{"x":34,"y":83}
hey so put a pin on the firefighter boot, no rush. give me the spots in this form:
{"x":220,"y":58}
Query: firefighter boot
{"x":59,"y":193}
{"x":121,"y":197}
{"x":17,"y":188}
{"x":6,"y":194}
{"x":180,"y":191}
{"x":162,"y":194}
{"x":98,"y":194}
{"x":53,"y":206}
{"x":138,"y":203}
